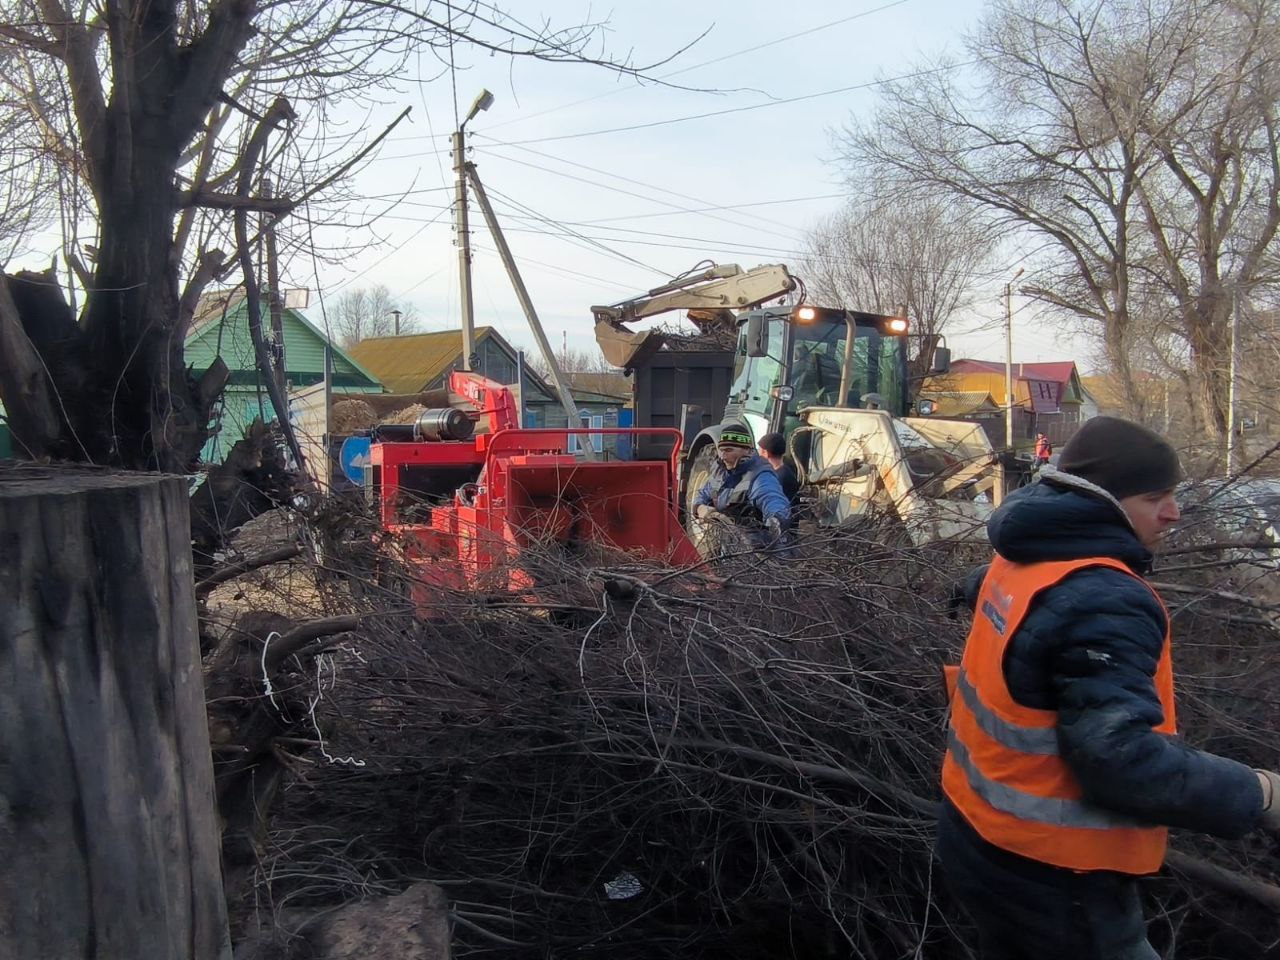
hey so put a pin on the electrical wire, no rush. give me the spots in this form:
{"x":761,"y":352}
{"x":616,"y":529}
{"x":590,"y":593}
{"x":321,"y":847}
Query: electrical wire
{"x":394,"y":250}
{"x":778,"y":102}
{"x":619,"y":190}
{"x":568,"y":273}
{"x":697,"y":210}
{"x":728,"y":111}
{"x":515,"y":211}
{"x":706,"y":63}
{"x":598,"y":245}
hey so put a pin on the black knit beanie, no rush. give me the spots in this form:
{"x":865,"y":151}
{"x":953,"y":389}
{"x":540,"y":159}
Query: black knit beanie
{"x":1121,"y":457}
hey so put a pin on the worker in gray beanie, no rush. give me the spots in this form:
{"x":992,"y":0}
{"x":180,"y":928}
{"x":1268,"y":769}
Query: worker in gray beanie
{"x":1064,"y":769}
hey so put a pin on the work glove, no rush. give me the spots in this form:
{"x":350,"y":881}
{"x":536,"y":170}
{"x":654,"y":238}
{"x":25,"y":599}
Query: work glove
{"x":704,"y":511}
{"x":1270,"y":782}
{"x":780,"y":545}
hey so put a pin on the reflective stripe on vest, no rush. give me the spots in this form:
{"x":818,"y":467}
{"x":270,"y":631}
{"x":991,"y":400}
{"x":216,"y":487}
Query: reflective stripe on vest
{"x":1003,"y":771}
{"x":1023,"y":739}
{"x":1028,"y":806}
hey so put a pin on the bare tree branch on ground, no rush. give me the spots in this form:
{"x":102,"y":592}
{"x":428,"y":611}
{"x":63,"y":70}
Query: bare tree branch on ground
{"x":738,"y":759}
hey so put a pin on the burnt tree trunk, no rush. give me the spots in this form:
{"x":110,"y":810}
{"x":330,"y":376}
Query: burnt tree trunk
{"x":108,"y":836}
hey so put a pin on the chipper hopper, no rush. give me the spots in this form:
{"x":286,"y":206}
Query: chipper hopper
{"x":473,"y":511}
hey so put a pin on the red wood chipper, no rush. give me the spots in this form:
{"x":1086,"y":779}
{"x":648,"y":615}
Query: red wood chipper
{"x":469,"y":509}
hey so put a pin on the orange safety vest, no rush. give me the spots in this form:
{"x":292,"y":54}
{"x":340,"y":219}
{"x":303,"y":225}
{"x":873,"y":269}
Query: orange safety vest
{"x":1003,"y":771}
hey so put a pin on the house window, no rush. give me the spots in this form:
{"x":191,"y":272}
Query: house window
{"x":591,"y":421}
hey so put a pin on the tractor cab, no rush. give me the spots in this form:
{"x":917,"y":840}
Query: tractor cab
{"x":791,"y":358}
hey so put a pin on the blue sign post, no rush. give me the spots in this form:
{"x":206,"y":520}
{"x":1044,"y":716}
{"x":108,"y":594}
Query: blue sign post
{"x":354,"y":458}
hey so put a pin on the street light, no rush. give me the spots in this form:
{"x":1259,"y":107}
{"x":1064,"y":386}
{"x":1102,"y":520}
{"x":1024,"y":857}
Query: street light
{"x":1008,"y":361}
{"x":482,"y":102}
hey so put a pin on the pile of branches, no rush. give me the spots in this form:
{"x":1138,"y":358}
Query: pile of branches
{"x":624,"y":760}
{"x":707,"y":338}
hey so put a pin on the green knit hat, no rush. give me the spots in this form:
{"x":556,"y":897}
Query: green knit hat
{"x":735,"y":433}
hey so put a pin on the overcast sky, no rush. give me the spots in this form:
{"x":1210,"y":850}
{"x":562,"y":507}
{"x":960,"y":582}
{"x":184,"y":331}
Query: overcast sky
{"x":607,"y":187}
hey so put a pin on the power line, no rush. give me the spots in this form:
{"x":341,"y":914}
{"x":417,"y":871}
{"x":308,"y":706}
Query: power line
{"x":565,"y":230}
{"x":557,"y":229}
{"x":394,"y":250}
{"x":706,"y":63}
{"x":730,"y":206}
{"x":639,"y":183}
{"x":565,"y":271}
{"x":570,"y":231}
{"x":865,"y":85}
{"x":779,"y":102}
{"x":602,"y":222}
{"x":756,"y":106}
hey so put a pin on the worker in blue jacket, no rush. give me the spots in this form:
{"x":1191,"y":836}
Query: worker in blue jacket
{"x":744,"y":487}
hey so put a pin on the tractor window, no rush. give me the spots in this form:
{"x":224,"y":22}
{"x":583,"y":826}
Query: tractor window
{"x":819,"y":359}
{"x":754,"y":377}
{"x":893,"y":372}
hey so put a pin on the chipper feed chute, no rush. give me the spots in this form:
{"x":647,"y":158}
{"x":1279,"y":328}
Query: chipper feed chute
{"x":532,"y":496}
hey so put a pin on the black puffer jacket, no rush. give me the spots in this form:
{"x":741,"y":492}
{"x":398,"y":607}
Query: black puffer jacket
{"x":1088,"y":648}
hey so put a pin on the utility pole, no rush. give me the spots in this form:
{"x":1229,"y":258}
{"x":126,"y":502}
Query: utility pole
{"x":1232,"y":397}
{"x":481,"y":102}
{"x":1008,"y":360}
{"x":522,"y":294}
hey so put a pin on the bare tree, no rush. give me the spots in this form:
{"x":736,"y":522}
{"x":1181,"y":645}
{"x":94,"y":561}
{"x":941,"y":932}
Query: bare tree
{"x":370,"y":312}
{"x":162,"y":131}
{"x":921,"y":253}
{"x":585,"y":370}
{"x":1134,"y":141}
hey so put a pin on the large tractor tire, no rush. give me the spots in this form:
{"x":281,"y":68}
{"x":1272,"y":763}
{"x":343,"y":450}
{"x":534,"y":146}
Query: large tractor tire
{"x":699,"y":474}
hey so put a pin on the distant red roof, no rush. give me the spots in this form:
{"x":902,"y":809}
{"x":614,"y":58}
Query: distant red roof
{"x":1059,"y":371}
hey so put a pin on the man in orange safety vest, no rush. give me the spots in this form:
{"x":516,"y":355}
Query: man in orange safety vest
{"x":1063,"y":769}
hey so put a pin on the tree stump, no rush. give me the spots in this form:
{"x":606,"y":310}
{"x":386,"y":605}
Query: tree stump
{"x":108,"y":833}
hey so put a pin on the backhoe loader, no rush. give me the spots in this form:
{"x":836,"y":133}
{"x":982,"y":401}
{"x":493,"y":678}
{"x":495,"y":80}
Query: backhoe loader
{"x":835,"y":383}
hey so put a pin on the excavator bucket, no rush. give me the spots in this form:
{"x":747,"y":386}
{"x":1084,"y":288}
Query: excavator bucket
{"x":624,"y":348}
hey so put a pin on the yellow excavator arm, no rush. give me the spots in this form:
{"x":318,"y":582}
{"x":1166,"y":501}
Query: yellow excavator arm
{"x":710,"y":297}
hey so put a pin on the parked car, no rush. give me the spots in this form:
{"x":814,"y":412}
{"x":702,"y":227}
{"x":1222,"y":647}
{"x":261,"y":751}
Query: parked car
{"x":1230,"y":511}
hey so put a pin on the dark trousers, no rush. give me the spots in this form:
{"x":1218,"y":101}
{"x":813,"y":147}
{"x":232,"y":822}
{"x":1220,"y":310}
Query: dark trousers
{"x":1026,"y":910}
